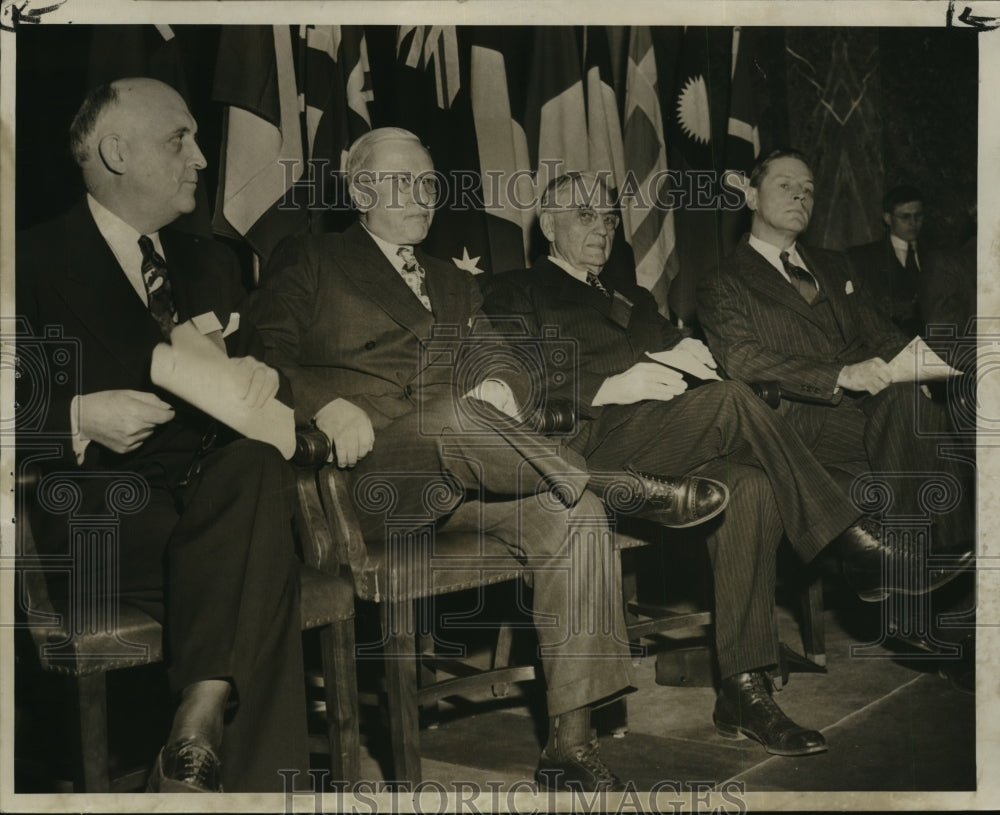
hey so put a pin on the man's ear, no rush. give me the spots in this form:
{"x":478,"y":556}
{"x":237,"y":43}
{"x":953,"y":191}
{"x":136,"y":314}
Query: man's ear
{"x":547,"y":224}
{"x":114,"y":152}
{"x":751,"y":198}
{"x":887,"y":219}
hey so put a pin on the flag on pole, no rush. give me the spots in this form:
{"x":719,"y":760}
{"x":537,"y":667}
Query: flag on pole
{"x":555,"y":114}
{"x":336,"y":93}
{"x":742,"y":132}
{"x":604,"y":131}
{"x":702,"y":66}
{"x":649,"y":227}
{"x":497,"y":83}
{"x":262,"y":149}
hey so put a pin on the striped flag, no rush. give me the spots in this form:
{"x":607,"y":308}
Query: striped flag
{"x":435,"y":47}
{"x":649,"y":228}
{"x":262,"y":155}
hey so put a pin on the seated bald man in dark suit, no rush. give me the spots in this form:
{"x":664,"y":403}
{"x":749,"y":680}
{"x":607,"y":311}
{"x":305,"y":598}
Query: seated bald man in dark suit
{"x":779,"y":310}
{"x":372,"y":333}
{"x":637,"y":413}
{"x":211,"y":553}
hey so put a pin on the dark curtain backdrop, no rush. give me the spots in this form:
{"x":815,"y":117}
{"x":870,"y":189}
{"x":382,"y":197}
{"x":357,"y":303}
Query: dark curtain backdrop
{"x":872,"y":108}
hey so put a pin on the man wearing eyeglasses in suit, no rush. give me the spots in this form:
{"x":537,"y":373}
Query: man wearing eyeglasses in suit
{"x":637,"y":413}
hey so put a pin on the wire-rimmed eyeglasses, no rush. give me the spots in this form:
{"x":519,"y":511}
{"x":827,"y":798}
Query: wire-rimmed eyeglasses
{"x":588,"y":217}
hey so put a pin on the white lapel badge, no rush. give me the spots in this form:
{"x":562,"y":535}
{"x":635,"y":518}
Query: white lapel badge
{"x":849,"y":287}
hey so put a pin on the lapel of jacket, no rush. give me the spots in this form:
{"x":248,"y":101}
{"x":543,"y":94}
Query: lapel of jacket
{"x":450,"y":302}
{"x":833,"y":285}
{"x":761,"y":276}
{"x":370,"y":270}
{"x":194,"y":291}
{"x":567,"y":289}
{"x":98,"y":291}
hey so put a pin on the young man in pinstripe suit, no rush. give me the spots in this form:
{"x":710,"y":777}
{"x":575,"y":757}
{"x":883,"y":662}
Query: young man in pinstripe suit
{"x":634,"y":412}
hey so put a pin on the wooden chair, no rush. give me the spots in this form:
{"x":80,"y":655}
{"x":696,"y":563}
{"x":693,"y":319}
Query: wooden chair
{"x":84,"y":649}
{"x":413,"y":566}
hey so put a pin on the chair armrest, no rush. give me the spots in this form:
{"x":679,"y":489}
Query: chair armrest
{"x":556,"y":416}
{"x":768,"y":390}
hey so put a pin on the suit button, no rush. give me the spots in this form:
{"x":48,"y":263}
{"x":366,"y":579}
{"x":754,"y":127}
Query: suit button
{"x":407,"y":391}
{"x":369,"y":345}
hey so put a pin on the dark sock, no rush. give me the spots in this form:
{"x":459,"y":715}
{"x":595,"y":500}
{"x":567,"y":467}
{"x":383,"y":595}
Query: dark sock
{"x":567,"y":731}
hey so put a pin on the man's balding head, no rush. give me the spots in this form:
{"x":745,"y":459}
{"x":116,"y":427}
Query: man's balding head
{"x":135,"y":143}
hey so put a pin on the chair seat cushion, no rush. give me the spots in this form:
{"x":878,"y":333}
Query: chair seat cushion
{"x":136,"y":639}
{"x":421,"y":565}
{"x":326,"y":598}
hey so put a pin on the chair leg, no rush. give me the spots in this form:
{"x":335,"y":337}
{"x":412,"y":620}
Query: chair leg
{"x":501,"y":657}
{"x":401,"y":689}
{"x":93,"y":770}
{"x":813,"y":632}
{"x":341,"y":684}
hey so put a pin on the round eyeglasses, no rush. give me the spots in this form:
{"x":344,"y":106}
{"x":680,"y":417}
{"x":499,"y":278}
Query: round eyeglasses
{"x":588,"y":217}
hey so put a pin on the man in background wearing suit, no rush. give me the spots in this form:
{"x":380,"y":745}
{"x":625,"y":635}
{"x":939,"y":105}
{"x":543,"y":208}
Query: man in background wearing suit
{"x":211,"y":554}
{"x":892,"y":267}
{"x":357,"y":321}
{"x":637,"y":413}
{"x":781,"y":311}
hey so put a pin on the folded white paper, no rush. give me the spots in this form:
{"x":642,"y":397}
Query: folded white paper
{"x":684,"y":361}
{"x":918,"y":363}
{"x":194,"y":368}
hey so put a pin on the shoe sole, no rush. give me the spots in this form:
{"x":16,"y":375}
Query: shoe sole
{"x":942,"y":579}
{"x":737,"y":733}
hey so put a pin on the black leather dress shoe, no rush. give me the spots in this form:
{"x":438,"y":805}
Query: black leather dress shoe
{"x":186,"y":765}
{"x":875,"y":569}
{"x":582,"y":770}
{"x":680,"y":501}
{"x":745,"y":707}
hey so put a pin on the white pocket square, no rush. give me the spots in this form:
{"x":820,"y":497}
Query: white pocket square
{"x":849,"y":287}
{"x":208,"y":322}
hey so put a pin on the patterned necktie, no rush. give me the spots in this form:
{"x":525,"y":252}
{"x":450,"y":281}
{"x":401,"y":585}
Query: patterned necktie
{"x":911,"y":259}
{"x":157,"y":283}
{"x":413,"y":274}
{"x":804,"y":282}
{"x":595,"y":281}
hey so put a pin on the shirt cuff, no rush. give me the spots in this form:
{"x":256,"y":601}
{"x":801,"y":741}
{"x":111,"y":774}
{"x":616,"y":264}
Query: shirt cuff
{"x":80,"y":441}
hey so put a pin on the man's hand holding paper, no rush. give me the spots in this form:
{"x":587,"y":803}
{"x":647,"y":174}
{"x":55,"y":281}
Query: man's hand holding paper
{"x":239,"y":392}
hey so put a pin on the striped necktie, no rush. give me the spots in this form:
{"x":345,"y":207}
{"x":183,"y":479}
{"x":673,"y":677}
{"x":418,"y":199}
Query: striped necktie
{"x":595,"y":281}
{"x":157,"y":283}
{"x":804,"y":282}
{"x":413,"y":275}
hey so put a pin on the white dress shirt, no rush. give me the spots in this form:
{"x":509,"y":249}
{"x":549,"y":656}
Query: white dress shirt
{"x":772,"y":254}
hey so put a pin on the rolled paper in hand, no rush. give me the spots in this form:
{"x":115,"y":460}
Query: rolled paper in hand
{"x":199,"y":372}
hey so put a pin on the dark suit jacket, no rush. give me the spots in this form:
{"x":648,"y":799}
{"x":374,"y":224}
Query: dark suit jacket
{"x":340,"y":322}
{"x":760,"y":328}
{"x":605,"y":335}
{"x":891,"y":289}
{"x":70,"y":285}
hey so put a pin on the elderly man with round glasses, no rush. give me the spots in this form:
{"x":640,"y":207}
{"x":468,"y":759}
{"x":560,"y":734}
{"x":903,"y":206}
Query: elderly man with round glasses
{"x":636,"y":413}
